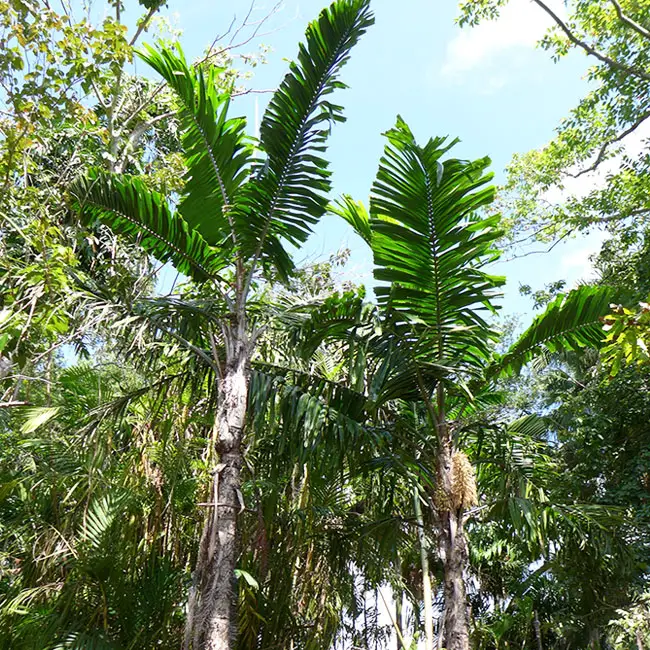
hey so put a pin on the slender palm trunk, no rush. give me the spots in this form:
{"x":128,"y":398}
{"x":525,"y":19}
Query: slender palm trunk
{"x":212,"y":614}
{"x":453,"y":551}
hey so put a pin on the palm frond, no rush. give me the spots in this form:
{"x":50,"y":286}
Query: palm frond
{"x":101,"y":516}
{"x":37,"y":416}
{"x":288,"y":194}
{"x":128,"y":207}
{"x":217,"y":151}
{"x":355,"y":213}
{"x":570,"y":322}
{"x":429,"y":248}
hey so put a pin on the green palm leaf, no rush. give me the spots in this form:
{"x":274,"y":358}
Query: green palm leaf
{"x":128,"y":207}
{"x":355,"y":213}
{"x":288,"y":194}
{"x":429,"y":249}
{"x":570,"y":322}
{"x":85,"y":641}
{"x":217,"y":151}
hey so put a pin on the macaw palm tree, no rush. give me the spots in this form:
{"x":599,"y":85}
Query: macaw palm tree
{"x":231,"y":225}
{"x":434,"y":297}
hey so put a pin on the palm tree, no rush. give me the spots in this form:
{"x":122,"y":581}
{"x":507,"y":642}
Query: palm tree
{"x":430,"y":250}
{"x":232,"y":225}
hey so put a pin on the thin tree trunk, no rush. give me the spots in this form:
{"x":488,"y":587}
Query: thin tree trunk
{"x":427,"y":599}
{"x":538,"y":631}
{"x":399,"y":611}
{"x":453,"y":551}
{"x":212,"y":614}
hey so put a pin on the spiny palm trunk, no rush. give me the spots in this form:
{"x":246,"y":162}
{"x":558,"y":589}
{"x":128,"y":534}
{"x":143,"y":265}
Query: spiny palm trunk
{"x":212,"y":614}
{"x":453,"y":551}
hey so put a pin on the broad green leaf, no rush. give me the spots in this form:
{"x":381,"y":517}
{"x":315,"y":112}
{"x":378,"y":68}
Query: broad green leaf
{"x":429,"y":249}
{"x":217,"y":151}
{"x":570,"y":322}
{"x":240,"y":573}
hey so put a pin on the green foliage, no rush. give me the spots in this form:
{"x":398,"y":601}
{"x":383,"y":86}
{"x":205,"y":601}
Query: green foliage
{"x":626,"y":337}
{"x":632,"y":625}
{"x":113,"y":506}
{"x":430,"y":248}
{"x":569,"y":322}
{"x":217,"y":153}
{"x":592,"y":139}
{"x":132,"y":209}
{"x":287,"y":194}
{"x":244,"y":207}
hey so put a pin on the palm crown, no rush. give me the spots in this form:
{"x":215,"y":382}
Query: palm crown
{"x":237,"y":209}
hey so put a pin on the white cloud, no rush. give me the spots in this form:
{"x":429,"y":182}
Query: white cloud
{"x":520,"y":25}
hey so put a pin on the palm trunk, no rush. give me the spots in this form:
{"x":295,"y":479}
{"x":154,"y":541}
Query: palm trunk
{"x":212,"y":614}
{"x":453,"y":551}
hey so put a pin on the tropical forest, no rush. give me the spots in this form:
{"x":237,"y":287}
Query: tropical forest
{"x":325,"y":326}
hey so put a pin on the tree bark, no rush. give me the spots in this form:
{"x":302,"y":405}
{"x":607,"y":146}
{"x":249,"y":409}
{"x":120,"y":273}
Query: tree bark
{"x":212,"y":613}
{"x":453,"y":551}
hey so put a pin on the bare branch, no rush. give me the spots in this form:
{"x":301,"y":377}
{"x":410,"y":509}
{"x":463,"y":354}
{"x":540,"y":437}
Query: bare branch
{"x":639,"y":29}
{"x":252,"y":91}
{"x":210,"y":54}
{"x":617,"y":65}
{"x":98,"y":94}
{"x":142,"y":105}
{"x":248,"y":15}
{"x":256,"y":32}
{"x":143,"y":24}
{"x":542,"y":252}
{"x":13,"y":403}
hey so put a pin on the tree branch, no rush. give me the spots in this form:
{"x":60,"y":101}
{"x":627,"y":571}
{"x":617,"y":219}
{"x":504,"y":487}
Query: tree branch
{"x":639,"y":29}
{"x":12,"y":403}
{"x":143,"y":24}
{"x":542,"y":252}
{"x":617,"y":65}
{"x":136,"y":134}
{"x":608,"y":143}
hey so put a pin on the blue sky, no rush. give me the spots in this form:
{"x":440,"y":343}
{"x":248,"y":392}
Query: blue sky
{"x":490,"y":86}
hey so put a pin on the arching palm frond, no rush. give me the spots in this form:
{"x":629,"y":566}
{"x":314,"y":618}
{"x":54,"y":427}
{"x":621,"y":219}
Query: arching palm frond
{"x":429,"y":249}
{"x":570,"y":322}
{"x":217,"y":150}
{"x":130,"y":208}
{"x":288,"y":194}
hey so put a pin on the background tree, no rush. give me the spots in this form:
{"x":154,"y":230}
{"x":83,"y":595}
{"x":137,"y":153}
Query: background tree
{"x":593,"y":141}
